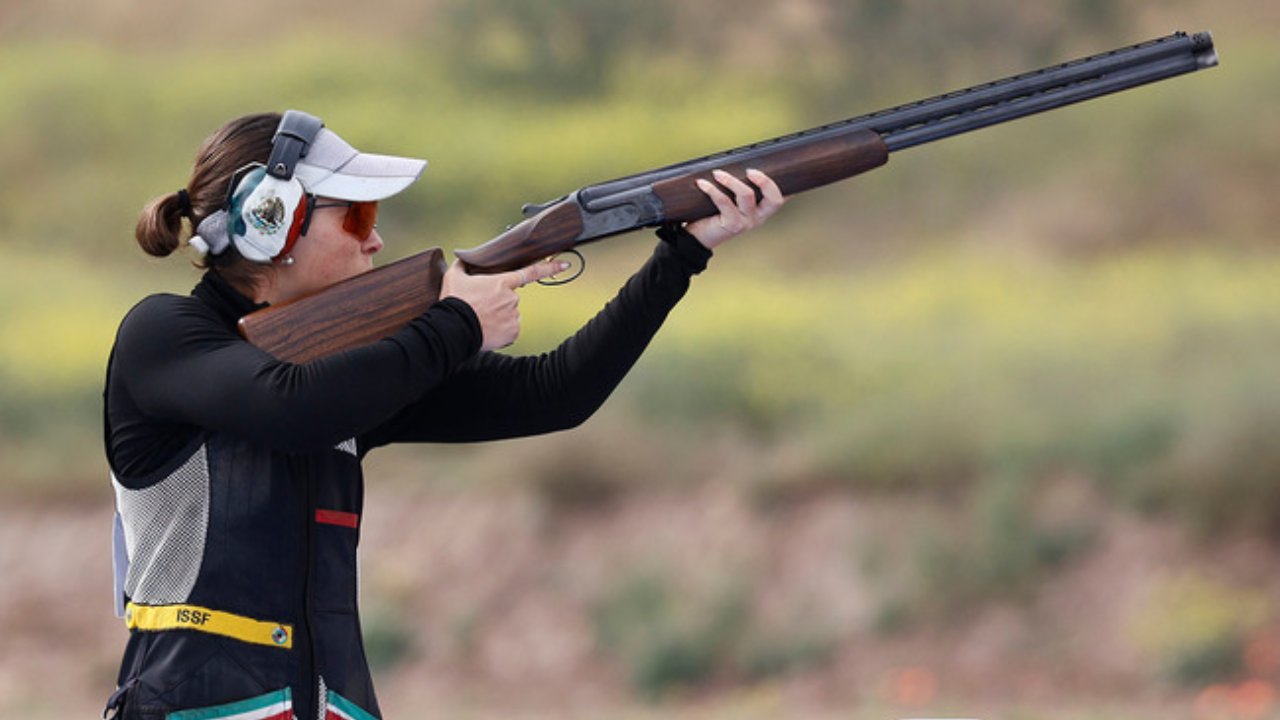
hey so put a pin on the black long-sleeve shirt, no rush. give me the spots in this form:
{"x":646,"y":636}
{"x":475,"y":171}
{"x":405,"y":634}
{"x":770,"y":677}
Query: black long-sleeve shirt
{"x":179,"y":368}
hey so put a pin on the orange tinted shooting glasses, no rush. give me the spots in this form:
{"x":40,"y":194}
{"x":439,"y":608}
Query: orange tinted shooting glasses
{"x":361,"y":217}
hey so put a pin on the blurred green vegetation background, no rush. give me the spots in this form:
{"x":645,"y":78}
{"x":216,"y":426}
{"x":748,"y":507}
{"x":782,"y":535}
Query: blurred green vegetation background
{"x":1093,"y":289}
{"x":1094,"y":292}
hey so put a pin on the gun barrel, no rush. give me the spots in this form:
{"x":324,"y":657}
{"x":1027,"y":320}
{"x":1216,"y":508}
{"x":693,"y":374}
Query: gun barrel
{"x":957,"y":112}
{"x":1041,"y":90}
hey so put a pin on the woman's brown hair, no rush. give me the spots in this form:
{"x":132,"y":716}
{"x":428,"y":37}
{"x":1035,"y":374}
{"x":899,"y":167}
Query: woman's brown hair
{"x":240,"y":142}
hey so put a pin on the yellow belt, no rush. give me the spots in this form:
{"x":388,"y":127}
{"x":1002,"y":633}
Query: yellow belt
{"x":192,"y":617}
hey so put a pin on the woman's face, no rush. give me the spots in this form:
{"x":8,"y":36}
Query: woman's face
{"x":327,"y":254}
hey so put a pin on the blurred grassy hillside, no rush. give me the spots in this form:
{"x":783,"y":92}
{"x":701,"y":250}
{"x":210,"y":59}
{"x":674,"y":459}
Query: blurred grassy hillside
{"x":1092,"y":289}
{"x":933,"y":394}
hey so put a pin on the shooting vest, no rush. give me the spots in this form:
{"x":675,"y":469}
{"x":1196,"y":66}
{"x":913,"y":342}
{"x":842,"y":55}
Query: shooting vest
{"x":236,"y":574}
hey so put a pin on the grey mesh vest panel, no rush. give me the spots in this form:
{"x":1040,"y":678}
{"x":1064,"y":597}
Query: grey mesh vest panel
{"x":165,"y":527}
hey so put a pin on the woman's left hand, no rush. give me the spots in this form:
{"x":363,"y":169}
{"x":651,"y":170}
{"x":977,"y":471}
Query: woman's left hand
{"x":739,"y":214}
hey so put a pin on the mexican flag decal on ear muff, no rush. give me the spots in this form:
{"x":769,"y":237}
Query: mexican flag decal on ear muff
{"x":266,"y":215}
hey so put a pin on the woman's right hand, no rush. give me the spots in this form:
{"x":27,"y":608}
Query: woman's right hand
{"x":493,"y":298}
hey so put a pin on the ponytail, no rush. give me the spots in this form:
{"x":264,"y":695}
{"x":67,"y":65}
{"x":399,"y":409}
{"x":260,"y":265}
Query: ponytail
{"x":238,"y":143}
{"x":159,"y":226}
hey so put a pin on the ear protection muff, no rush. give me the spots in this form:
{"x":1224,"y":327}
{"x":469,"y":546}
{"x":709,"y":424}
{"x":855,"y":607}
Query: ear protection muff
{"x":269,"y":209}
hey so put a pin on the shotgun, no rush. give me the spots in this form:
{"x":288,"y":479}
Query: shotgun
{"x":375,"y":304}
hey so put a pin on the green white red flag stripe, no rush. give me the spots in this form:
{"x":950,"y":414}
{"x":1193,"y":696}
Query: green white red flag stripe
{"x":272,"y":706}
{"x":340,"y":708}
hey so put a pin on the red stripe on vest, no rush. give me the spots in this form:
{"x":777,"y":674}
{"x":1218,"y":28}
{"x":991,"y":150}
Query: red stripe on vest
{"x":337,"y":517}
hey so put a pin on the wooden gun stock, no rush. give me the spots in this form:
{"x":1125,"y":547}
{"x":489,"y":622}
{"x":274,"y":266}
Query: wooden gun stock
{"x":348,"y":314}
{"x":544,"y":235}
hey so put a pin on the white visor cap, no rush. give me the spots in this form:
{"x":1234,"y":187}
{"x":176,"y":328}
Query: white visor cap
{"x":332,"y":168}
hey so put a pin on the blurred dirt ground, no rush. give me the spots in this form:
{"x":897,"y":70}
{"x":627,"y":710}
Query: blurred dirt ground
{"x":486,"y":604}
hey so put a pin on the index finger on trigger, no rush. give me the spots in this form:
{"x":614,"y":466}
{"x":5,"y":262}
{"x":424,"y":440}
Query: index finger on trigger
{"x":542,"y":270}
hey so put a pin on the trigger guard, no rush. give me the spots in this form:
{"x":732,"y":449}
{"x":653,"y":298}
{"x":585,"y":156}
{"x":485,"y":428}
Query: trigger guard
{"x":581,"y":265}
